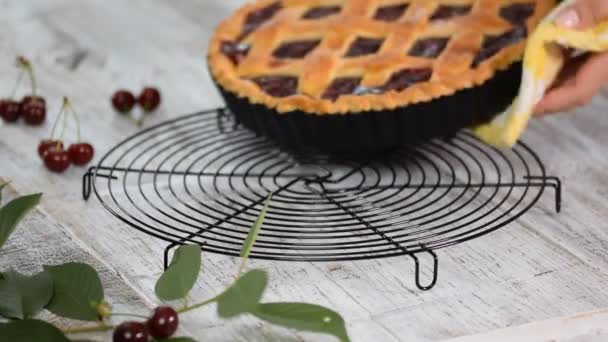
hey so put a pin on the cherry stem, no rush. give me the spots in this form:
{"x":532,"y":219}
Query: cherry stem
{"x":201,"y":304}
{"x":68,"y":105}
{"x":102,"y":327}
{"x":17,"y":84}
{"x":27,"y":66}
{"x":187,"y":308}
{"x":127,"y":315}
{"x":241,"y":268}
{"x":59,"y":115}
{"x":65,"y":120}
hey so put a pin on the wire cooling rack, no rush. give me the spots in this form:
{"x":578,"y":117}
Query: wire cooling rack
{"x":202,"y":179}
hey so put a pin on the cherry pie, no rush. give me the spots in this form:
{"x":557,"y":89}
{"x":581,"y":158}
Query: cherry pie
{"x":293,"y":61}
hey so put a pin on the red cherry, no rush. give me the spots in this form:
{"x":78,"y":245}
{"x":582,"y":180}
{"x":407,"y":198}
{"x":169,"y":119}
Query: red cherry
{"x":149,"y":99}
{"x":81,"y":153}
{"x":130,"y":332}
{"x":30,"y":98}
{"x":163,"y":323}
{"x":33,"y":110}
{"x":56,"y":159}
{"x":10,"y":110}
{"x":123,"y":101}
{"x":46,"y":144}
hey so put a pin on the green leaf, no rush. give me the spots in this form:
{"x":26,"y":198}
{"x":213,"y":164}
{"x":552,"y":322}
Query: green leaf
{"x":181,"y":275}
{"x":2,"y":186}
{"x":255,"y":230}
{"x":30,"y":330}
{"x":77,"y":290}
{"x":13,"y":212}
{"x":303,"y":316}
{"x":24,"y":296}
{"x":244,"y":296}
{"x":178,"y":339}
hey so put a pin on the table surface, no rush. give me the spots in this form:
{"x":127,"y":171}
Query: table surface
{"x":537,"y":275}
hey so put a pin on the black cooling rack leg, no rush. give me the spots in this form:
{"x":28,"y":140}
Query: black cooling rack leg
{"x":86,"y":183}
{"x":556,"y":184}
{"x":417,"y":271}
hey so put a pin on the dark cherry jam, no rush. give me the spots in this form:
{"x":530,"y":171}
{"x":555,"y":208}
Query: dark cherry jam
{"x":447,"y":11}
{"x":428,"y":47}
{"x":235,"y":51}
{"x":390,"y":12}
{"x":341,"y":86}
{"x":277,"y":85}
{"x":257,"y":18}
{"x":407,"y":77}
{"x":517,"y":13}
{"x":321,"y":12}
{"x":364,"y":46}
{"x":296,"y":49}
{"x":492,"y":44}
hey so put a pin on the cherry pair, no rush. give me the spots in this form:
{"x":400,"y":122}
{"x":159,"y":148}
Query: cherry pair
{"x":124,"y":101}
{"x":163,"y":324}
{"x":32,"y":107}
{"x":52,"y":151}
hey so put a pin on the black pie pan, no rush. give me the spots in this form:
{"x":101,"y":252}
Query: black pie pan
{"x":375,"y":131}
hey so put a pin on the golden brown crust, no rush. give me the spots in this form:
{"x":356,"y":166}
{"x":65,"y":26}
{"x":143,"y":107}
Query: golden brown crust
{"x":451,"y":70}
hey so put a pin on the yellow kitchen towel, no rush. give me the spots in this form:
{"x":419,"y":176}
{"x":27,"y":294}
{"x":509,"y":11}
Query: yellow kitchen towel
{"x":543,"y":59}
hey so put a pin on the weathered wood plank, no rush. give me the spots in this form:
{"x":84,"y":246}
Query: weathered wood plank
{"x":584,"y":327}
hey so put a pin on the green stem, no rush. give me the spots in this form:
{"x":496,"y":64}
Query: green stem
{"x":61,"y":112}
{"x":198,"y":305}
{"x":97,"y":328}
{"x":76,"y":117}
{"x":127,"y":315}
{"x":30,"y":73}
{"x":65,"y":118}
{"x":241,"y":268}
{"x":25,"y":64}
{"x":19,"y":79}
{"x":214,"y":299}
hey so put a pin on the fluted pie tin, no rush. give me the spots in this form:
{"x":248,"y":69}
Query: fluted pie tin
{"x":378,"y":130}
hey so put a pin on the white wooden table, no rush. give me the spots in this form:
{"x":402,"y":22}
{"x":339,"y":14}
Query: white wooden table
{"x":545,"y":268}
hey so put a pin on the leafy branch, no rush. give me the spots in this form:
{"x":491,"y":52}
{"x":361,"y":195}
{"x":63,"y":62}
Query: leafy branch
{"x":74,"y":291}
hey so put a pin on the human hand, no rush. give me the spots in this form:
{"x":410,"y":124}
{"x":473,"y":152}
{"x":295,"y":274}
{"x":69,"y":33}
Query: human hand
{"x":583,"y":76}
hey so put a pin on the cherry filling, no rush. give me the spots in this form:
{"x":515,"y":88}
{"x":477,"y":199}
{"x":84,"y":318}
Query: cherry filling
{"x":492,"y":44}
{"x":363,"y":90}
{"x":428,"y":48}
{"x":517,"y":14}
{"x":296,"y":49}
{"x":321,"y":12}
{"x":235,"y":51}
{"x":391,"y":12}
{"x":277,"y":86}
{"x":407,"y":77}
{"x":364,"y":46}
{"x":257,"y":18}
{"x":447,"y":11}
{"x":341,"y":86}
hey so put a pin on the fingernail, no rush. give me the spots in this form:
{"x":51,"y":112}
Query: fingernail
{"x":568,"y":18}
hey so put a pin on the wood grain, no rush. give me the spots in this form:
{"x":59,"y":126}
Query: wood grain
{"x":543,"y":266}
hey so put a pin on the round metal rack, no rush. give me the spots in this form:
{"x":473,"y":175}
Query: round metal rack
{"x":202,"y":179}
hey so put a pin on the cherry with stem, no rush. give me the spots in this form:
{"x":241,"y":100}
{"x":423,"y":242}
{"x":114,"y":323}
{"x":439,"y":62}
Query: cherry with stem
{"x":33,"y":107}
{"x":55,"y":157}
{"x":10,"y":110}
{"x":81,"y":153}
{"x":52,"y":142}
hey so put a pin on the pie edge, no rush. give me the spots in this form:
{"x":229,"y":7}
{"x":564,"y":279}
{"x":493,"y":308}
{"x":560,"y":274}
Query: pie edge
{"x":222,"y":71}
